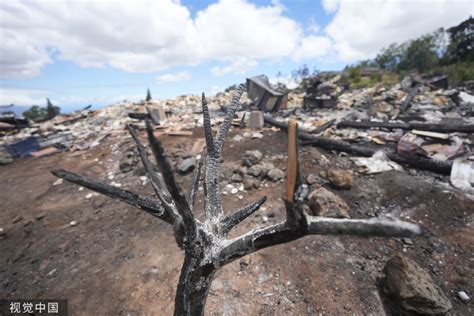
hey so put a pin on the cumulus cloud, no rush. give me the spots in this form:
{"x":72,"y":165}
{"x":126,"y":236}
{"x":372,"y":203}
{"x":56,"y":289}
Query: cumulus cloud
{"x":239,"y":65}
{"x":153,"y":35}
{"x":312,"y":47}
{"x":143,"y":36}
{"x":331,"y":6}
{"x":173,"y":77}
{"x":19,"y":96}
{"x":359,"y":30}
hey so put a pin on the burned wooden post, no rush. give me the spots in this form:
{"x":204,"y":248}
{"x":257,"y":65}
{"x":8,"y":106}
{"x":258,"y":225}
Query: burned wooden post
{"x":205,"y":242}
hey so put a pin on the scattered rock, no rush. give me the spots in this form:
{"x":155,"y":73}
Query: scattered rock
{"x":414,"y":288}
{"x":257,"y":135}
{"x":73,"y":223}
{"x":234,"y":191}
{"x":128,"y":161}
{"x":463,"y":296}
{"x":16,"y":219}
{"x":40,"y":216}
{"x":255,"y":170}
{"x":58,"y":182}
{"x":340,"y":179}
{"x":312,"y":178}
{"x":323,"y":202}
{"x":407,"y":241}
{"x":250,"y":183}
{"x":275,"y":174}
{"x":187,"y":165}
{"x":227,"y":170}
{"x":251,"y":157}
{"x":2,"y":232}
{"x":237,"y":138}
{"x":236,"y":178}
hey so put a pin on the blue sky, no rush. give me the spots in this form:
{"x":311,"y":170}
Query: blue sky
{"x":79,"y":53}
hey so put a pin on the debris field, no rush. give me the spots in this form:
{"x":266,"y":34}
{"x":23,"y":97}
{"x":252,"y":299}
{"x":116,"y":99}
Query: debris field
{"x":403,"y":151}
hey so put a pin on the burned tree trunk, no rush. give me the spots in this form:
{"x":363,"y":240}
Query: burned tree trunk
{"x":205,"y":243}
{"x":193,"y":287}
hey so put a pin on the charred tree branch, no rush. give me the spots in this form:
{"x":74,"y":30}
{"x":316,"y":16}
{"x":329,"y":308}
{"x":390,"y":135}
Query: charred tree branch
{"x":128,"y":197}
{"x":233,"y":220}
{"x":207,"y":128}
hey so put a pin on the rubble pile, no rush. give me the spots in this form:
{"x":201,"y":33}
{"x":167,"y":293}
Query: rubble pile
{"x":419,"y":118}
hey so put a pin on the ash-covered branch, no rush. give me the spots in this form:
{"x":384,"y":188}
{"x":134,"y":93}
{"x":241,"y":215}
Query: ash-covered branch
{"x":282,"y":233}
{"x":225,"y":126}
{"x":160,"y":192}
{"x":234,"y":219}
{"x":177,"y":195}
{"x":195,"y":186}
{"x":212,"y":194}
{"x":207,"y":127}
{"x":361,"y":227}
{"x":128,"y":197}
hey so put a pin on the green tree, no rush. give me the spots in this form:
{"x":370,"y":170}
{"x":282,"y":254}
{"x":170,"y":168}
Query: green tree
{"x":461,"y":46}
{"x":389,"y":58}
{"x":35,"y":113}
{"x":148,"y":95}
{"x":422,"y":53}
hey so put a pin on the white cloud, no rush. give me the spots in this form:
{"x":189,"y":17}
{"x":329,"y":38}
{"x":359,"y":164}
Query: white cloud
{"x":312,"y":47}
{"x":142,"y":36}
{"x":173,"y":77}
{"x":20,"y":96}
{"x":149,"y":36}
{"x":288,"y":81}
{"x":313,"y":27}
{"x":360,"y":29}
{"x":331,"y":6}
{"x":238,"y":65}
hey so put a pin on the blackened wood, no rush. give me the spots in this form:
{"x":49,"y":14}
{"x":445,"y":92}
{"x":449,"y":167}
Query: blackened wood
{"x":232,"y":220}
{"x":207,"y":127}
{"x":323,"y":127}
{"x":128,"y":197}
{"x":431,"y":127}
{"x":155,"y":119}
{"x":407,"y":103}
{"x":443,"y":167}
{"x":138,"y":116}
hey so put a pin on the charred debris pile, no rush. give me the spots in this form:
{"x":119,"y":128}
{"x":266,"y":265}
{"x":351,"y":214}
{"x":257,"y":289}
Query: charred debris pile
{"x":420,"y":123}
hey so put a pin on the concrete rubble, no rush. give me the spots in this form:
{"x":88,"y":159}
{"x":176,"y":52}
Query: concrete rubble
{"x":325,"y":109}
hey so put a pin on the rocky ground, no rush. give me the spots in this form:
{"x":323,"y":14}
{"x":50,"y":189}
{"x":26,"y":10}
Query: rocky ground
{"x":59,"y":240}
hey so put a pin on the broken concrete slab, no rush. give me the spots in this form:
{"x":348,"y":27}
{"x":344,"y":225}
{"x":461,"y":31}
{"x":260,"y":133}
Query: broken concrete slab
{"x":256,"y":119}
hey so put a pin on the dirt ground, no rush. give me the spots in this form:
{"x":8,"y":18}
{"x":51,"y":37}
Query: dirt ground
{"x":119,"y":260}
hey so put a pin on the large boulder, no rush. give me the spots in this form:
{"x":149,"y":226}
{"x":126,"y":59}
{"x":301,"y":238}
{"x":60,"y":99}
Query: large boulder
{"x":414,"y":288}
{"x":323,"y":202}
